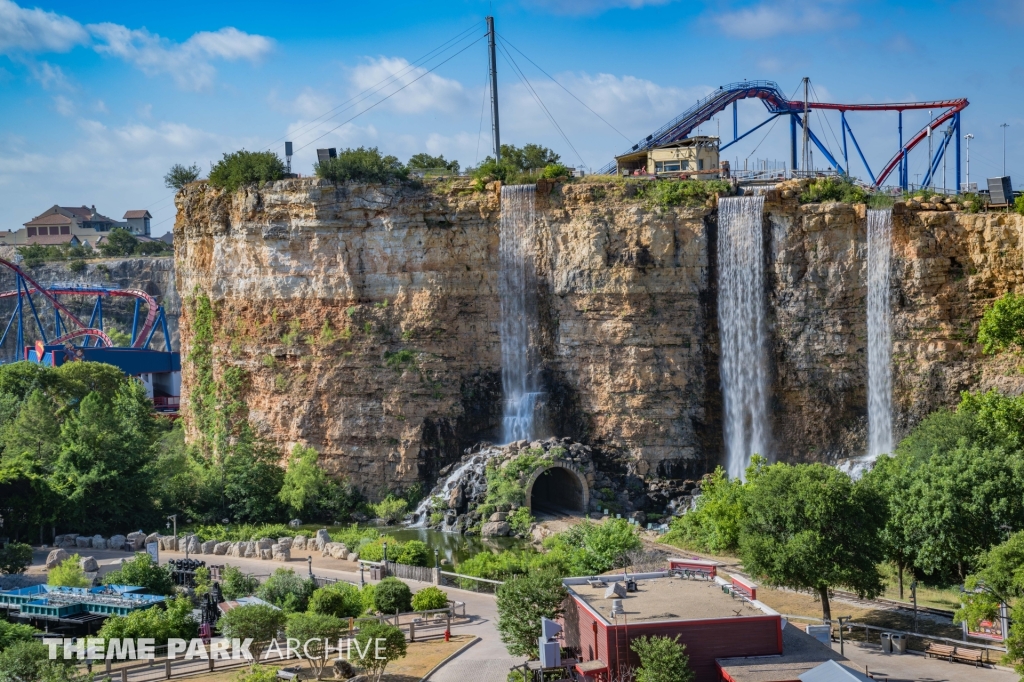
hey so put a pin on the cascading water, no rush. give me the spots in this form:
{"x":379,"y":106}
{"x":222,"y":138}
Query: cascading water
{"x":879,"y":334}
{"x":469,"y":473}
{"x":517,"y":293}
{"x":742,"y":327}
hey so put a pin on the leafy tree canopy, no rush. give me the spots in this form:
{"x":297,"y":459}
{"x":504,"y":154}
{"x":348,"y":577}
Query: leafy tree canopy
{"x":244,"y":168}
{"x":1002,"y":324}
{"x":662,"y":660}
{"x":141,"y":570}
{"x":362,"y":165}
{"x":428,"y":162}
{"x":522,"y":601}
{"x":180,"y":175}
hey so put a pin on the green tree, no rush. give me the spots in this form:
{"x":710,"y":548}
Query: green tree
{"x":391,"y":596}
{"x":180,"y":175}
{"x":430,"y":598}
{"x":260,"y":622}
{"x":30,"y":662}
{"x":662,"y":660}
{"x":714,"y":525}
{"x":342,"y":600}
{"x":244,"y":168}
{"x":304,"y":481}
{"x":11,"y":633}
{"x":313,"y":631}
{"x":414,"y":553}
{"x":590,"y":548}
{"x":235,"y":584}
{"x":287,"y":590}
{"x":428,"y":162}
{"x":810,"y":527}
{"x":119,"y":242}
{"x":15,"y":557}
{"x":391,"y":509}
{"x":376,"y":645}
{"x":1002,"y":324}
{"x":522,"y":601}
{"x":361,"y":165}
{"x":142,"y":571}
{"x":529,"y":157}
{"x":893,"y":479}
{"x":68,"y":573}
{"x":252,"y":480}
{"x":174,"y":622}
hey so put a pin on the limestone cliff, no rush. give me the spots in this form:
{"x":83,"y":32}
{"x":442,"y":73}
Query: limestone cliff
{"x":366,"y":319}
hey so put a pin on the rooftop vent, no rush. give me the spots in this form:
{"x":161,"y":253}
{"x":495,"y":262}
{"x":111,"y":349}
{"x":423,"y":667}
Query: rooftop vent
{"x":615,"y":590}
{"x":617,"y":609}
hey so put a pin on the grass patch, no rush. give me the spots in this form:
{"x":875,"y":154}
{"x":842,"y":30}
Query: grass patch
{"x":688,"y":193}
{"x":840,"y":189}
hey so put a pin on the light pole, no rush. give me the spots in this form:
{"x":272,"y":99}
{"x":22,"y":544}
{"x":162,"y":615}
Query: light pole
{"x":968,"y":137}
{"x":1004,"y":126}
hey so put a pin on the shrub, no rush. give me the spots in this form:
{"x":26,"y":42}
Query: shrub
{"x":556,"y":170}
{"x":340,"y":599}
{"x":180,"y":175}
{"x":391,"y":509}
{"x":714,"y":525}
{"x":397,"y":360}
{"x":1002,"y":324}
{"x":662,"y":660}
{"x":15,"y":557}
{"x":522,"y":601}
{"x":363,"y":165}
{"x":414,"y":553}
{"x":428,"y":162}
{"x":692,"y":193}
{"x":260,"y":622}
{"x":314,"y":632}
{"x":258,"y":673}
{"x":13,"y":632}
{"x":1018,"y":204}
{"x":392,"y":595}
{"x":521,"y":521}
{"x":243,"y":168}
{"x":833,"y":189}
{"x":77,"y":266}
{"x":144,"y":572}
{"x":120,"y":242}
{"x":286,"y":590}
{"x":159,"y":624}
{"x":376,"y":645}
{"x":373,"y":550}
{"x":368,"y":594}
{"x":429,"y":598}
{"x":235,"y":584}
{"x":68,"y":573}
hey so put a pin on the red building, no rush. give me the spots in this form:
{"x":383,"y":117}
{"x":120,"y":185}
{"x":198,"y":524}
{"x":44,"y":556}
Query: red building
{"x":712,"y":619}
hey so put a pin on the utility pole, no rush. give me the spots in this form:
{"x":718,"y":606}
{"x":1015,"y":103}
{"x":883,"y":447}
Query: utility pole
{"x":806,"y":160}
{"x":968,"y":137}
{"x":494,"y":89}
{"x":1004,"y":126}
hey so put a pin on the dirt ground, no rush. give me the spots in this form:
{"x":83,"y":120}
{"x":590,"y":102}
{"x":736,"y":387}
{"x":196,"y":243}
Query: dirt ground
{"x":420,"y":659}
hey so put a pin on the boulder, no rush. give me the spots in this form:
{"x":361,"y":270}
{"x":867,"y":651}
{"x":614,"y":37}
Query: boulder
{"x":294,"y":523}
{"x":264,"y":543}
{"x":82,"y":542}
{"x":208,"y":547}
{"x":299,"y":542}
{"x":193,"y":545}
{"x":151,"y":538}
{"x":88,"y":564}
{"x":56,"y":557}
{"x":280,"y":552}
{"x":498,"y":516}
{"x":116,"y":542}
{"x":169,"y":543}
{"x":135,"y":542}
{"x":343,"y":670}
{"x":251,"y":550}
{"x":456,"y":497}
{"x":266,"y":554}
{"x":353,"y":557}
{"x":57,"y":540}
{"x":68,"y":544}
{"x":495,"y":528}
{"x":221,"y":548}
{"x":285,"y":542}
{"x":322,"y":538}
{"x":338,"y":550}
{"x":99,"y":542}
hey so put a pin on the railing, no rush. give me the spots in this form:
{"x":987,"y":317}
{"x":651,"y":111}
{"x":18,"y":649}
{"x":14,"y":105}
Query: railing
{"x":469,"y":582}
{"x":419,"y":573}
{"x":166,"y":401}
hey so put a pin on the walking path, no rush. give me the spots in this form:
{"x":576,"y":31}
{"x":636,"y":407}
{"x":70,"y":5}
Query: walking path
{"x":914,"y":668}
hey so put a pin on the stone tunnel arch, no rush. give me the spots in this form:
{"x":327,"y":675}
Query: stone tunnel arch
{"x":557,"y":488}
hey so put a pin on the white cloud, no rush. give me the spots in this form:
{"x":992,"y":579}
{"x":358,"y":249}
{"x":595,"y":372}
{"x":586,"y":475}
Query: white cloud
{"x":423,"y":92}
{"x":188,"y":62}
{"x":778,"y":17}
{"x":34,"y":30}
{"x":63,"y":105}
{"x":49,"y":76}
{"x":579,"y":7}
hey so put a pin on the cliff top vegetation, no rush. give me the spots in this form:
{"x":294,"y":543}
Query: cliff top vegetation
{"x":244,"y":167}
{"x":364,"y":165}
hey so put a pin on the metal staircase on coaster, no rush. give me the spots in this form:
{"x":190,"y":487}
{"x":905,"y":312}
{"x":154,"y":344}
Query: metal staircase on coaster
{"x":778,"y":105}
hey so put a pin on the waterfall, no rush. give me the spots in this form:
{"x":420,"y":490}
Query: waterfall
{"x":742,"y":327}
{"x":879,"y":334}
{"x":517,"y":291}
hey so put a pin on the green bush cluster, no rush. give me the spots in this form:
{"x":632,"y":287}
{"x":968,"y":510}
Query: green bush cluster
{"x":361,"y":165}
{"x":342,"y":600}
{"x":392,"y":596}
{"x":174,"y":622}
{"x":429,"y":598}
{"x":287,"y":590}
{"x":234,"y":583}
{"x":690,"y":193}
{"x":520,"y":165}
{"x":15,"y":557}
{"x":1002,"y":324}
{"x":833,"y":188}
{"x":391,"y":509}
{"x":142,"y":571}
{"x":244,"y":168}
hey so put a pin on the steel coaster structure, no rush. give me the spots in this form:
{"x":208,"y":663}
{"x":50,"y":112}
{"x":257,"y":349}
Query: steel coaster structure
{"x":777,"y":105}
{"x":67,"y":327}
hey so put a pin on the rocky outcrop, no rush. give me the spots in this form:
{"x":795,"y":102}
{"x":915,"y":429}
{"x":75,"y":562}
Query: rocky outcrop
{"x":365,"y":319}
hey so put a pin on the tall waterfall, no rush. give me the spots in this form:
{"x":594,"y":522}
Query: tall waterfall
{"x":879,"y":334}
{"x":741,"y":321}
{"x":517,"y":290}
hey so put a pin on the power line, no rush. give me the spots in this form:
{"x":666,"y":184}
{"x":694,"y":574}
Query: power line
{"x":378,"y":103}
{"x":529,"y":87}
{"x":483,"y":102}
{"x":377,"y":87}
{"x":565,"y":88}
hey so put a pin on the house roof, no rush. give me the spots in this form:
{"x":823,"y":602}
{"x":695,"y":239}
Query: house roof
{"x":167,"y":238}
{"x":801,"y":653}
{"x":50,"y":219}
{"x":137,"y":214}
{"x":50,"y":239}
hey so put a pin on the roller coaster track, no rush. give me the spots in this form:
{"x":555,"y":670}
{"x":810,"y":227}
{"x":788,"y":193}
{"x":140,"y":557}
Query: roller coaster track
{"x":778,"y":104}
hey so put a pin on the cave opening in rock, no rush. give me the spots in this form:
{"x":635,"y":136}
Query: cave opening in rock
{"x":558,"y":491}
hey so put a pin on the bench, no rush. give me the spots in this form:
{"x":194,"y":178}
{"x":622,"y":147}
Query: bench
{"x":291,"y":673}
{"x":955,"y":653}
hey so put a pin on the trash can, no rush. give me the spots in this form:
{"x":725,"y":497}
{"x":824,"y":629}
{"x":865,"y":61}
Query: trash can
{"x":822,"y":633}
{"x":899,"y":644}
{"x":886,"y":642}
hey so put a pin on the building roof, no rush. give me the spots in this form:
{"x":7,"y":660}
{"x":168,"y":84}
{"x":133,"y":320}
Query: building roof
{"x":50,"y":219}
{"x":136,"y":214}
{"x":51,"y":239}
{"x":800,"y":654}
{"x":663,"y":597}
{"x":167,"y":238}
{"x":830,"y":671}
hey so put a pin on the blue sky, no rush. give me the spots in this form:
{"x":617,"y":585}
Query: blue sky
{"x":98,"y":100}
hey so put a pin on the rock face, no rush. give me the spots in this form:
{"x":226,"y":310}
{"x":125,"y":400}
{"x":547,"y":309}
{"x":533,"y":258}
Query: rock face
{"x":55,"y":558}
{"x":495,"y":529}
{"x":405,"y":374}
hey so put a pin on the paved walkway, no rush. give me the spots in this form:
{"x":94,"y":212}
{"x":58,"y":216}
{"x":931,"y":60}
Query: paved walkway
{"x":912,"y":668}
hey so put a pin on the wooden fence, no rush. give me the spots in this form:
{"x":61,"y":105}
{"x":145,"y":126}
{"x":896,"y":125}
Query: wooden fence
{"x":406,"y":572}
